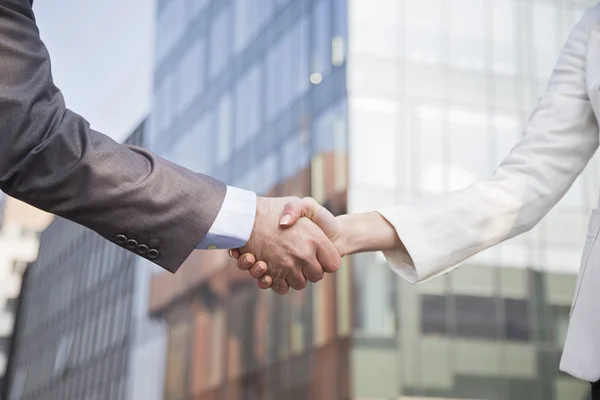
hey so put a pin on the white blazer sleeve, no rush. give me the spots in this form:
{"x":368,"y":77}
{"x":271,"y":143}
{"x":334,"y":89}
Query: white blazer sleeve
{"x":559,"y":139}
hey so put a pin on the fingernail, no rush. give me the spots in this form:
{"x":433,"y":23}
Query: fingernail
{"x":264,"y":280}
{"x":286,"y":218}
{"x":247,"y":260}
{"x":261,"y":268}
{"x":231,"y":254}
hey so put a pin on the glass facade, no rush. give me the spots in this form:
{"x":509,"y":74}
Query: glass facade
{"x":266,"y":110}
{"x":362,"y":105}
{"x":439,"y":91}
{"x":74,"y":327}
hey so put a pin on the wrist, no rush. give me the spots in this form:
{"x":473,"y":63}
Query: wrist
{"x":366,"y":232}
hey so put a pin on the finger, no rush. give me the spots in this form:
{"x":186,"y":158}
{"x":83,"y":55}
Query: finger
{"x":313,"y":274}
{"x":297,"y":281}
{"x":280,"y":286}
{"x":327,"y":255}
{"x":246,"y":261}
{"x":296,"y":209}
{"x":264,"y":282}
{"x":311,"y":209}
{"x":234,"y":253}
{"x":258,"y":269}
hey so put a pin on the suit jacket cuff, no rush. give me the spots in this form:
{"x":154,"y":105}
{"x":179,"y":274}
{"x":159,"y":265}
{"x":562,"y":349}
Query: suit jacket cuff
{"x":233,"y":225}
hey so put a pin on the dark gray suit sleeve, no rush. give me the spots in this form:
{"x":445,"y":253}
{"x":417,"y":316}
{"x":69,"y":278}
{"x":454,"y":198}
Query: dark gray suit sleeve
{"x":51,"y":159}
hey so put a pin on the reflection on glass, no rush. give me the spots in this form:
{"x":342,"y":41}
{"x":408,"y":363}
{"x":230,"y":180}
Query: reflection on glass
{"x":467,"y":34}
{"x":287,"y":69}
{"x":504,"y":36}
{"x":248,"y":110}
{"x":544,"y":34}
{"x":250,"y":17}
{"x":171,"y":25}
{"x":224,"y":128}
{"x":423,"y":20}
{"x":191,"y":75}
{"x":220,"y":42}
{"x":376,"y":302}
{"x":469,"y":144}
{"x":321,"y":45}
{"x":429,"y":135}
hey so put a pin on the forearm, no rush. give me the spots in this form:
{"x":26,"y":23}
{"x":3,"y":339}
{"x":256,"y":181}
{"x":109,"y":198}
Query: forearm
{"x":53,"y":160}
{"x":366,"y":232}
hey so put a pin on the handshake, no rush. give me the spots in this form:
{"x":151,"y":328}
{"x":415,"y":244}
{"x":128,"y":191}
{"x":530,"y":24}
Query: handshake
{"x":295,"y":241}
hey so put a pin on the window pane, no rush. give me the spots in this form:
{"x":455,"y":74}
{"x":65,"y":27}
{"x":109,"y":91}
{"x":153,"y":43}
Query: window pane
{"x":220,"y":42}
{"x":433,"y":315}
{"x":375,"y":133}
{"x":507,"y":132}
{"x":250,"y":17}
{"x":430,"y":149}
{"x":424,"y":30}
{"x":469,"y":147}
{"x":224,"y":128}
{"x":504,"y":28}
{"x":321,"y":57}
{"x":177,"y":361}
{"x":248,"y":105}
{"x":191,"y":75}
{"x":171,"y":24}
{"x":544,"y":34}
{"x":377,"y":297}
{"x":467,"y":34}
{"x":516,"y":323}
{"x":476,"y":317}
{"x":198,"y":6}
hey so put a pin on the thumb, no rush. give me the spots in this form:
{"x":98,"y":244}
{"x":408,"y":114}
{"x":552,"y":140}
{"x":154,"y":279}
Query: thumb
{"x":311,"y":209}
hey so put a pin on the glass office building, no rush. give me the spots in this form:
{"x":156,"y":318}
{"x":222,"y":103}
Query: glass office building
{"x":363,"y":104}
{"x":79,"y":332}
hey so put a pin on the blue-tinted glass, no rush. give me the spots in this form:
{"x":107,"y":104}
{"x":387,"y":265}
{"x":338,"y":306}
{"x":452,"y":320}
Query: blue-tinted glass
{"x":248,"y":105}
{"x":278,"y":75}
{"x":288,"y":69}
{"x":267,"y":171}
{"x":171,"y":24}
{"x":300,"y":63}
{"x":224,"y":128}
{"x":340,"y":18}
{"x":323,"y":132}
{"x":291,"y":157}
{"x":321,"y":57}
{"x":198,"y":6}
{"x":191,"y":75}
{"x":193,"y":149}
{"x":250,"y":17}
{"x":220,"y":42}
{"x":273,"y":77}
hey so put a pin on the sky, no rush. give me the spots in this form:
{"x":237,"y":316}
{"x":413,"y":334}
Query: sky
{"x":102,"y":54}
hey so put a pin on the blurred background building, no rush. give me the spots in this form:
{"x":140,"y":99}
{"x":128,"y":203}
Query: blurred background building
{"x":83,"y":331}
{"x":20,"y":225}
{"x":364,"y":104}
{"x":360,"y":104}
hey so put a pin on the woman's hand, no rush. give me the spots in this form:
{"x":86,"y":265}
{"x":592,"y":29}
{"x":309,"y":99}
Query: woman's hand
{"x":293,"y":211}
{"x":350,"y":234}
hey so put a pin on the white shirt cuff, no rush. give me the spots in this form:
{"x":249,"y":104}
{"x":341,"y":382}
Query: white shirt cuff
{"x":234,"y":223}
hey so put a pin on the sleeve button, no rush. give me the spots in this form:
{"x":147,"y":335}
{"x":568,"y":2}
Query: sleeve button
{"x":121,"y":239}
{"x":131,"y":244}
{"x":142,"y":249}
{"x":152,"y":254}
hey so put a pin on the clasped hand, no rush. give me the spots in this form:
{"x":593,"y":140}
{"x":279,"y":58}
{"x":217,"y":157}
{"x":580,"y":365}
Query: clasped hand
{"x":306,"y":245}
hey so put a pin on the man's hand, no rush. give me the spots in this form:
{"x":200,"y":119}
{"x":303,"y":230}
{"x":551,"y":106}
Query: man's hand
{"x":295,"y":212}
{"x":294,"y":254}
